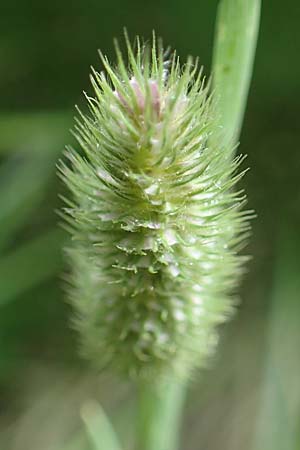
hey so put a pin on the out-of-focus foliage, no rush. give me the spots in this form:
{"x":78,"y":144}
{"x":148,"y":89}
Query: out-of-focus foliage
{"x":252,"y":387}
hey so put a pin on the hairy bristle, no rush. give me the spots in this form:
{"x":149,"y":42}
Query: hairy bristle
{"x":155,"y":219}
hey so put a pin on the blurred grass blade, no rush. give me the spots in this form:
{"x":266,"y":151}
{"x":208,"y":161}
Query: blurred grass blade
{"x":30,"y":264}
{"x":33,"y":143}
{"x":99,"y":428}
{"x":22,"y":187}
{"x":41,"y":132}
{"x":234,"y":49}
{"x":279,"y":415}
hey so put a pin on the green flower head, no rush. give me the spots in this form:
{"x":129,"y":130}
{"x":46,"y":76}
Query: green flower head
{"x":155,"y":221}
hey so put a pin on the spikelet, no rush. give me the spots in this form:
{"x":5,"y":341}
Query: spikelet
{"x":155,"y":221}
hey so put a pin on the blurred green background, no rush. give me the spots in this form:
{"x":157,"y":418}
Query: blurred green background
{"x":250,"y":397}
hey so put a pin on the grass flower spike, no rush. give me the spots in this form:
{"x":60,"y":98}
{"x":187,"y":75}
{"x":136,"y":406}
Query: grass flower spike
{"x":155,"y":220}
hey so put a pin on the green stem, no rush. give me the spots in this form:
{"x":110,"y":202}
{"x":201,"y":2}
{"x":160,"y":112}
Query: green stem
{"x":234,"y":49}
{"x":160,"y":405}
{"x":159,"y":415}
